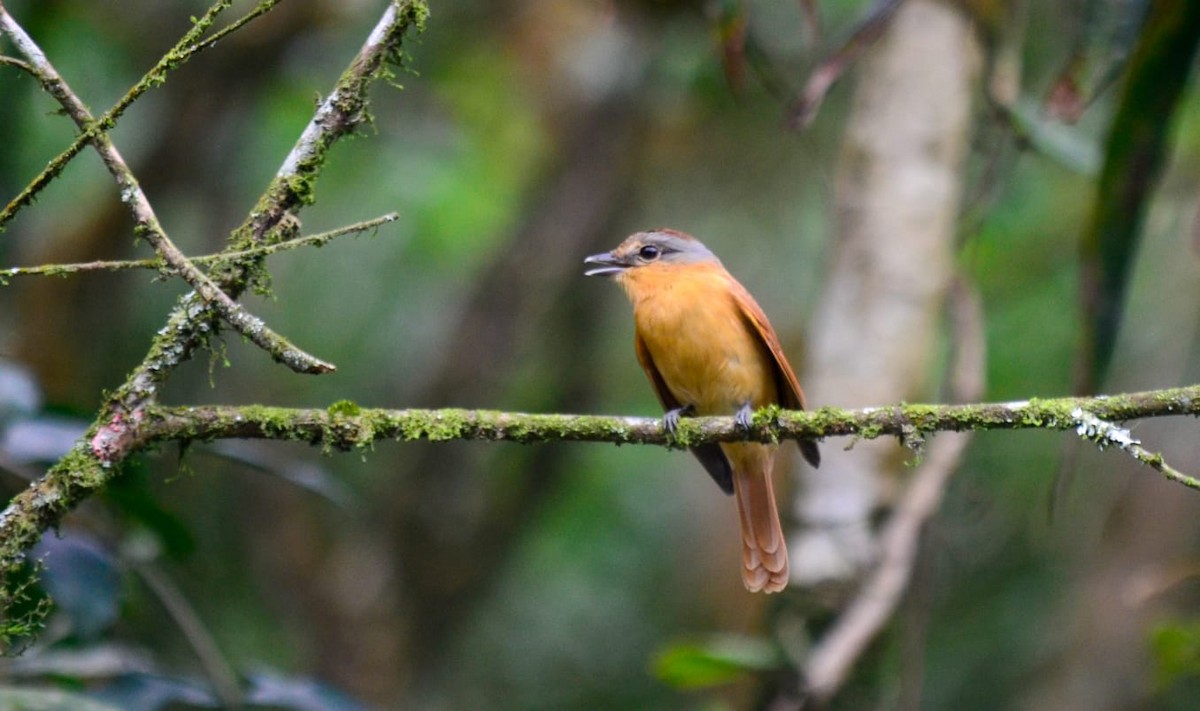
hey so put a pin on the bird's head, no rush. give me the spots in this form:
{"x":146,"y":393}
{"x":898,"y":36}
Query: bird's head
{"x":662,"y":246}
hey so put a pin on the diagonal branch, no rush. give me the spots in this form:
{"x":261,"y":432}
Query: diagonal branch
{"x":93,"y":461}
{"x":146,"y":221}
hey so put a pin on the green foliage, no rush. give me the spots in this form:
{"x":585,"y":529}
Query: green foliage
{"x":16,"y":699}
{"x":1175,"y":646}
{"x":715,"y":662}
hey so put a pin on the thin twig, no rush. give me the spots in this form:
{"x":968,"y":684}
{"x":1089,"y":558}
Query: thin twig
{"x":316,"y":240}
{"x":147,"y":223}
{"x":1105,"y":434}
{"x":14,"y":62}
{"x":171,"y":60}
{"x":262,"y":9}
{"x":804,"y":109}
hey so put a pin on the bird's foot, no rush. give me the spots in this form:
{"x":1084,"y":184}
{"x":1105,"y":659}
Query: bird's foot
{"x":744,"y":419}
{"x":671,"y":418}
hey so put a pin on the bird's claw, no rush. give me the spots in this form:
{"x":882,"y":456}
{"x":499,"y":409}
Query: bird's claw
{"x":671,"y":418}
{"x":744,"y":419}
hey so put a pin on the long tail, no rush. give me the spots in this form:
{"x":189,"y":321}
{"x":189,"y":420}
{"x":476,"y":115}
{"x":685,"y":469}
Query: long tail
{"x":764,"y":552}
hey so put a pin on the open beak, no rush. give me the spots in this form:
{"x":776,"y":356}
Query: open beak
{"x":610,"y":265}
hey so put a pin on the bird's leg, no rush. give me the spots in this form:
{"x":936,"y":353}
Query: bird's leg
{"x":671,"y":418}
{"x":744,"y":419}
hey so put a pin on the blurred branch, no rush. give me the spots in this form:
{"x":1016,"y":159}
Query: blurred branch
{"x":317,"y":240}
{"x":804,"y":109}
{"x":14,"y":62}
{"x":221,"y":676}
{"x":1064,"y":145}
{"x":146,"y":223}
{"x":831,"y":661}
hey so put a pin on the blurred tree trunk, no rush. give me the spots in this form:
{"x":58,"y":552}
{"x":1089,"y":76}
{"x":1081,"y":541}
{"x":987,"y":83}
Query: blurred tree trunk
{"x":455,"y":512}
{"x":876,"y":328}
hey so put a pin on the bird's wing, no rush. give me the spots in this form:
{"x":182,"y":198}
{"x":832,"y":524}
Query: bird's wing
{"x":786,"y":383}
{"x":710,"y":455}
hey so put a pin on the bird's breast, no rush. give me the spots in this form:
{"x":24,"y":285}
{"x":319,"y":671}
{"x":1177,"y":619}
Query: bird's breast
{"x":699,"y":340}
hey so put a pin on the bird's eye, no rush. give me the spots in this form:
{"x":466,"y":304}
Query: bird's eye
{"x":649,"y":252}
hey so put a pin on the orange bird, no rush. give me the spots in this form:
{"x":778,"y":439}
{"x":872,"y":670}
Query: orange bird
{"x":708,"y":349}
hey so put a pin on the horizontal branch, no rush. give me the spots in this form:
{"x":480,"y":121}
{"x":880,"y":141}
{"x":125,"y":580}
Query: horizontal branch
{"x":116,"y":265}
{"x":344,"y":425}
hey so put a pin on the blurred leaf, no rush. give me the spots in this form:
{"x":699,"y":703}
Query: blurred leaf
{"x":150,"y":692}
{"x":720,"y":660}
{"x":1065,"y":101}
{"x":41,"y":439}
{"x":1175,"y":647}
{"x":49,"y":700}
{"x":83,"y":663}
{"x":298,"y":693}
{"x":294,"y":470}
{"x":19,"y":392}
{"x":1137,"y":146}
{"x":1064,"y":145}
{"x":82,"y":579}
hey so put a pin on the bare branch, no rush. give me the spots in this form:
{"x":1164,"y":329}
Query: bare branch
{"x":14,"y":62}
{"x":804,"y":109}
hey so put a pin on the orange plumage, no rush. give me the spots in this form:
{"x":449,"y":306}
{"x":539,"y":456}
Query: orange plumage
{"x":708,"y":349}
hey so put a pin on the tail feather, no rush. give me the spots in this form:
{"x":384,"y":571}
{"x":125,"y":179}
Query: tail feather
{"x":764,"y":552}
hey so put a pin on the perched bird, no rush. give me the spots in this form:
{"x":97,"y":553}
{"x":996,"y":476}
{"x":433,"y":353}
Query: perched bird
{"x":708,"y":349}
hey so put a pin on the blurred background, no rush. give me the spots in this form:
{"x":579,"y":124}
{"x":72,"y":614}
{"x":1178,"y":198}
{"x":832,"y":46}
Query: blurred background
{"x":924,"y":233}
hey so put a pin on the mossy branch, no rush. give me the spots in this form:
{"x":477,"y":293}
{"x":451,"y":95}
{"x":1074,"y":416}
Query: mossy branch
{"x":146,"y":222}
{"x":116,"y":432}
{"x":319,"y":239}
{"x":183,"y":50}
{"x":345,"y":425}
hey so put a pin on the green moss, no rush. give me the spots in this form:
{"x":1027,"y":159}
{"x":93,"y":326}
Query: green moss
{"x":344,"y":408}
{"x":302,"y":185}
{"x":434,"y":427}
{"x":682,"y":437}
{"x":923,"y":417}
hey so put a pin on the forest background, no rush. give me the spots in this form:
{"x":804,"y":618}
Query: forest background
{"x":933,"y":201}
